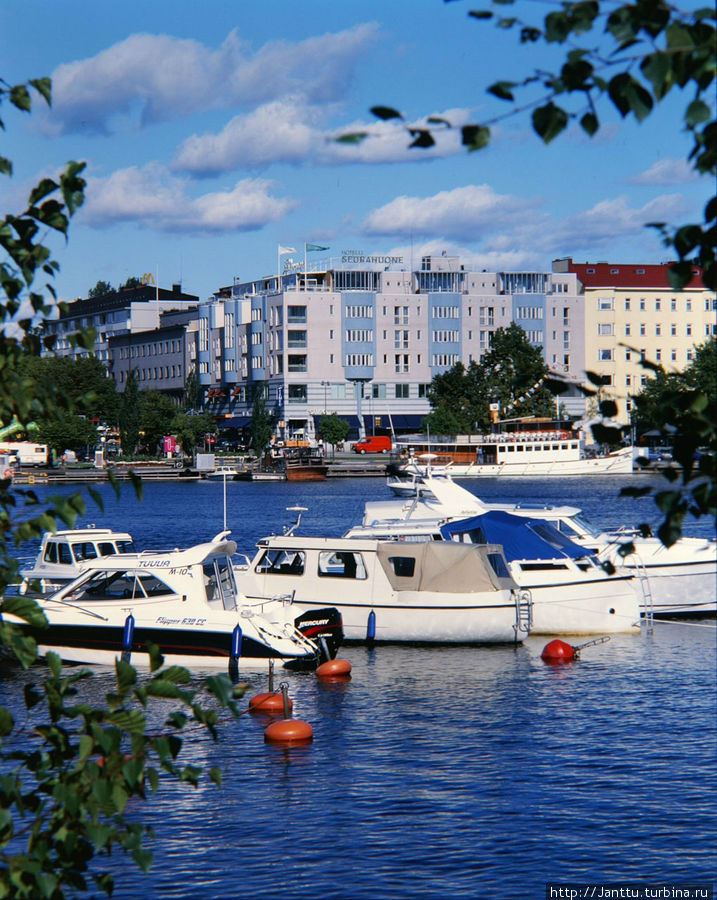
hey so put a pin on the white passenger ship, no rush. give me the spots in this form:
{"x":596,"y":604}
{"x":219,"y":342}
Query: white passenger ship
{"x":531,"y":450}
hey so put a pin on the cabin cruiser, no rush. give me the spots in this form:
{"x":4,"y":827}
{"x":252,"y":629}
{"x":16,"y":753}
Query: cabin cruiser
{"x":675,"y":581}
{"x":220,"y":473}
{"x":63,"y":554}
{"x":187,"y":603}
{"x":571,"y":592}
{"x":385,"y":591}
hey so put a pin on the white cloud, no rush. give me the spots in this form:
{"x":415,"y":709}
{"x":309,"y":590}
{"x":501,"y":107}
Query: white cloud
{"x":465,"y":213}
{"x":153,"y":198}
{"x":279,"y":132}
{"x":667,"y":171}
{"x":292,"y":131}
{"x":161,"y":77}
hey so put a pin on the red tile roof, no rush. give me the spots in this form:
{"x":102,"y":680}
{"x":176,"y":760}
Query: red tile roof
{"x":629,"y":275}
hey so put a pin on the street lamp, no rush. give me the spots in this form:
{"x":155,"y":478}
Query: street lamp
{"x":325,"y":385}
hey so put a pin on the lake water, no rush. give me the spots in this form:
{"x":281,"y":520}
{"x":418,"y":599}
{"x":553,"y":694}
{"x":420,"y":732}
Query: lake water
{"x":439,"y":773}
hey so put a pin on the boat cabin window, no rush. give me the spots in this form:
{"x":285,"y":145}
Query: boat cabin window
{"x":497,"y":563}
{"x":58,"y":553}
{"x":281,"y":562}
{"x":219,"y":582}
{"x":122,"y":585}
{"x":404,"y":566}
{"x":542,"y":566}
{"x":84,"y":550}
{"x":341,"y":564}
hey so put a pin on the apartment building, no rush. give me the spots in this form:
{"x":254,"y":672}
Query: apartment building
{"x":364,"y":335}
{"x":124,"y":312}
{"x":632,"y":313}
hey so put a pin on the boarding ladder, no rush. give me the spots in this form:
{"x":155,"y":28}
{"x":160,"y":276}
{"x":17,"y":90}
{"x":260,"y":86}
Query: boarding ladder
{"x":648,"y":605}
{"x":523,"y":614}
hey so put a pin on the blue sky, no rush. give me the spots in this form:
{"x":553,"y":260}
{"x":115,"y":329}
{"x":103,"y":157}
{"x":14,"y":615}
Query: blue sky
{"x":207,"y":129}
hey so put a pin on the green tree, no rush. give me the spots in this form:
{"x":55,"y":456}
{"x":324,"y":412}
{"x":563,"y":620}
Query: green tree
{"x":83,"y":381}
{"x":261,"y":427}
{"x":333,"y":429}
{"x":512,"y":373}
{"x":66,"y":782}
{"x":132,"y":282}
{"x":192,"y":391}
{"x":157,"y":412}
{"x":99,"y":290}
{"x":129,"y":414}
{"x":190,"y":429}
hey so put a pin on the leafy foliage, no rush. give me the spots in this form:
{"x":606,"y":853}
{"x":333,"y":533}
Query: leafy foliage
{"x":333,"y":429}
{"x":261,"y":422}
{"x":70,"y":768}
{"x":512,"y":374}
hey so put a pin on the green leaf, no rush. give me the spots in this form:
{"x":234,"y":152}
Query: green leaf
{"x":475,"y":137}
{"x":354,"y":137}
{"x":589,"y":123}
{"x":385,"y":112}
{"x":7,"y":723}
{"x":26,"y":609}
{"x":480,"y":14}
{"x":421,"y":138}
{"x":549,"y":121}
{"x":657,"y":68}
{"x":44,"y":87}
{"x":20,"y":97}
{"x":503,"y":90}
{"x":216,"y":776}
{"x":697,"y":112}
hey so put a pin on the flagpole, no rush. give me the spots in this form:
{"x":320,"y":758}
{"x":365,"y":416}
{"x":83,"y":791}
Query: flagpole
{"x":306,"y":271}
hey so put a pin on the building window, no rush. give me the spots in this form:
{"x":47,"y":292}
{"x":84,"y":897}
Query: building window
{"x":401,"y":362}
{"x":642,"y":304}
{"x":627,"y":330}
{"x":297,"y":393}
{"x":605,"y":329}
{"x":297,"y":362}
{"x":402,"y":392}
{"x":296,"y":339}
{"x":296,"y":315}
{"x":605,"y":354}
{"x":627,"y":303}
{"x":643,"y":329}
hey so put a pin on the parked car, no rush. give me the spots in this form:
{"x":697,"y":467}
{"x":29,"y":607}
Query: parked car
{"x":379,"y":443}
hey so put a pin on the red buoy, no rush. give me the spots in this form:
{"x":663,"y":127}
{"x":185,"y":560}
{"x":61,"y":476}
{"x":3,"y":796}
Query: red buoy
{"x":558,"y":652}
{"x":289,"y":732}
{"x":334,"y":668}
{"x":272,"y":702}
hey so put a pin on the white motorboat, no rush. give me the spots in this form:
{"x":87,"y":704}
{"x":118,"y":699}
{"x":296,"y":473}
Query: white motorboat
{"x":63,"y":555}
{"x":187,"y":603}
{"x":437,"y":593}
{"x":571,"y":592}
{"x":680,"y":580}
{"x":220,"y":473}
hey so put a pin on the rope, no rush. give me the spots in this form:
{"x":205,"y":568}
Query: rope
{"x":689,"y":624}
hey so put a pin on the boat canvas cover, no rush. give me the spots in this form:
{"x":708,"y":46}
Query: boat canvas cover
{"x":440,"y":567}
{"x":521,"y":538}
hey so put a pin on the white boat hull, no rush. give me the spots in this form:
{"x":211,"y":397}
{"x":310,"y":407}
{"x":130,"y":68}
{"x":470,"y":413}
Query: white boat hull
{"x":602,"y":608}
{"x":428,"y":618}
{"x":603,"y":465}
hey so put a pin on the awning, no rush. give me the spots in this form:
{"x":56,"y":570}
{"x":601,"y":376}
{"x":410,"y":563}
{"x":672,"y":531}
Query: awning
{"x":234,"y":422}
{"x":521,"y":537}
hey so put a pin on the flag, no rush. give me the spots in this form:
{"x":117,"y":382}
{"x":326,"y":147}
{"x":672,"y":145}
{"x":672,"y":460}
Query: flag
{"x":310,"y":247}
{"x":283,"y":250}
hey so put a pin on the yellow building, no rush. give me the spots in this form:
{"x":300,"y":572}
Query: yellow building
{"x":632,"y":313}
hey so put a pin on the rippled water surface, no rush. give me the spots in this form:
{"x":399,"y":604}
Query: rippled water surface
{"x":447,"y":772}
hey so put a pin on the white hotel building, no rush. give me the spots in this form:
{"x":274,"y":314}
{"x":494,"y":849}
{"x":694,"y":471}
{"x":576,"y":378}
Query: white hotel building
{"x":363,"y":336}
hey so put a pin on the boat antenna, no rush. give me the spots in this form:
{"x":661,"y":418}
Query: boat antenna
{"x":288,"y":531}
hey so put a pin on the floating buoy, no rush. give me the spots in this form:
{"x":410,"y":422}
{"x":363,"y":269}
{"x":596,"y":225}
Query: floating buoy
{"x":558,"y":652}
{"x":288,"y":732}
{"x":334,"y":668}
{"x":271,"y":701}
{"x":268,"y":702}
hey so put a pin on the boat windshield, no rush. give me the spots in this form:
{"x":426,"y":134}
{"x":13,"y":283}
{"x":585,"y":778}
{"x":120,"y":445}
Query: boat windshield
{"x":579,"y":525}
{"x":121,"y":585}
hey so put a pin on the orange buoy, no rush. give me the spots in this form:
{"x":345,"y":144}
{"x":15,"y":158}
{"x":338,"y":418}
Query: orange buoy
{"x":558,"y":652}
{"x":268,"y":702}
{"x":289,"y":732}
{"x":334,"y":668}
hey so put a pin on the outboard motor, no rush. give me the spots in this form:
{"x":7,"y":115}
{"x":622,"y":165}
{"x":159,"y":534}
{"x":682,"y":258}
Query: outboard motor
{"x":325,"y":628}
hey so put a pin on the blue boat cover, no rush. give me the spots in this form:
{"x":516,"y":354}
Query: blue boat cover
{"x":521,"y":537}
